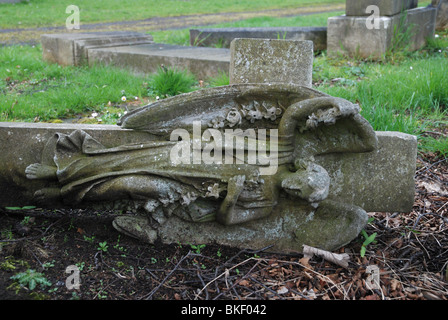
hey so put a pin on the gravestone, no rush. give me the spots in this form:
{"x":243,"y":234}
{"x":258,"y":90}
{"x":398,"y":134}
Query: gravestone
{"x":361,"y":33}
{"x":442,"y":13}
{"x":271,"y":61}
{"x":249,"y":165}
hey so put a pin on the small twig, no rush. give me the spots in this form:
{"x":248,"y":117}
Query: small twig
{"x":432,"y":165}
{"x":198,"y":273}
{"x":149,"y":295}
{"x":226,"y":272}
{"x":264,"y":286}
{"x":339,"y":259}
{"x":431,"y":213}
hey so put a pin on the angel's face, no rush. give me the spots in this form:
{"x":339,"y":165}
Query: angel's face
{"x":311,"y":184}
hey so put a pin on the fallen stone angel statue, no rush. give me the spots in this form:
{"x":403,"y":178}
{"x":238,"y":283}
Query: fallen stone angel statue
{"x":234,"y":165}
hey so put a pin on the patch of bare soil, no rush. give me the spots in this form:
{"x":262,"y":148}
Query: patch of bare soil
{"x":410,"y":252}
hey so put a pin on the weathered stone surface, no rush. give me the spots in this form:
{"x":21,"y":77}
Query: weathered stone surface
{"x":442,"y":13}
{"x":72,"y":48}
{"x":271,"y":61}
{"x":327,"y":228}
{"x":202,"y":62}
{"x":382,"y":180}
{"x":350,"y":35}
{"x":386,"y":7}
{"x":25,"y":143}
{"x":222,"y":37}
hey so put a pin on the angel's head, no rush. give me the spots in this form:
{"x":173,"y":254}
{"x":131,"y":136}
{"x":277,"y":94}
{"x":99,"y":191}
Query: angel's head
{"x":310,"y":182}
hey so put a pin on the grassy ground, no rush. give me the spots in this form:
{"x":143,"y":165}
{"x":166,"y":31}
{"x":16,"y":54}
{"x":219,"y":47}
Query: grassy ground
{"x":406,"y":96}
{"x":33,"y":90}
{"x":39,"y":13}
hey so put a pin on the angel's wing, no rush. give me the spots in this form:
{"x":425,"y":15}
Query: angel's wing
{"x":327,"y":125}
{"x":234,"y":106}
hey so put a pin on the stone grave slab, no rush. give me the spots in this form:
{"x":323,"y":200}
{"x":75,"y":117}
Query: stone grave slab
{"x":271,"y":61}
{"x":202,"y":62}
{"x":222,"y":37}
{"x":72,"y":48}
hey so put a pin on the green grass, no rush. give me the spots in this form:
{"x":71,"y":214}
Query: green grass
{"x":315,"y":20}
{"x":38,"y":13}
{"x":412,"y":89}
{"x":167,"y":82}
{"x":406,"y":92}
{"x":33,"y":90}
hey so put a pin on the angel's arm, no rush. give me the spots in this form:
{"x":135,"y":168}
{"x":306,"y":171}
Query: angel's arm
{"x":230,"y":213}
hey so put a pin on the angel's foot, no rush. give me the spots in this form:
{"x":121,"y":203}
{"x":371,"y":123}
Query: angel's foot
{"x":47,"y":195}
{"x":136,"y":227}
{"x":40,"y":171}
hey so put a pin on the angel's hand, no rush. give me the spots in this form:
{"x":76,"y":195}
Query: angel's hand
{"x":236,"y":185}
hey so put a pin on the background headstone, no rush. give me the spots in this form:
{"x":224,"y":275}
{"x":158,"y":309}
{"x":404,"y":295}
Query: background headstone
{"x":386,"y":7}
{"x":442,"y":13}
{"x":358,"y":36}
{"x":222,"y":37}
{"x":271,"y":61}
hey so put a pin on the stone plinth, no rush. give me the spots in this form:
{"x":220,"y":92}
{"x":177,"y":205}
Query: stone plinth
{"x":350,"y":35}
